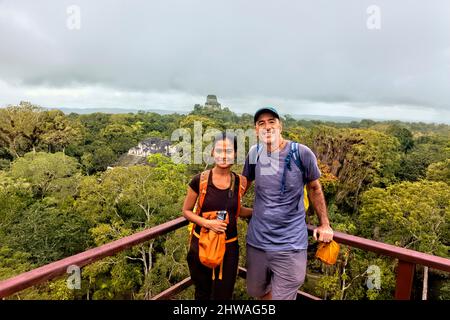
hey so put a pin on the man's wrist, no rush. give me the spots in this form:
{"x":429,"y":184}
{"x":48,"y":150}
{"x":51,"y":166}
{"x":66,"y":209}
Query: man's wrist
{"x":325,"y":224}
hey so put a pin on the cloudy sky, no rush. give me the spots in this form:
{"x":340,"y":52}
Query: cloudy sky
{"x":345,"y":58}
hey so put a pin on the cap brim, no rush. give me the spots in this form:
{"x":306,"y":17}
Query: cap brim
{"x":261,"y":111}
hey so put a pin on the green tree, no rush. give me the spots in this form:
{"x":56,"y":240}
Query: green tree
{"x":359,"y":158}
{"x":413,"y":215}
{"x":403,"y":135}
{"x":15,"y":197}
{"x":122,"y":201}
{"x":221,"y":115}
{"x":13,"y":262}
{"x":439,"y":171}
{"x":46,"y":228}
{"x":408,"y":214}
{"x":47,"y":173}
{"x":97,"y":158}
{"x":28,"y":127}
{"x":427,"y":150}
{"x":20,"y":127}
{"x":170,"y":265}
{"x":188,"y":122}
{"x":58,"y":131}
{"x":347,"y":279}
{"x":94,"y":123}
{"x":120,"y":137}
{"x":47,"y":232}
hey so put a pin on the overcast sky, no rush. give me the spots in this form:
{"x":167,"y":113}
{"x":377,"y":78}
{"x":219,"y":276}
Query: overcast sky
{"x":305,"y":57}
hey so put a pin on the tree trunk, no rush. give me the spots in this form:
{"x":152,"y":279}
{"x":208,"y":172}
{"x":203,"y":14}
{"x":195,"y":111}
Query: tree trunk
{"x":325,"y":296}
{"x":425,"y":283}
{"x":343,"y":281}
{"x":12,"y":148}
{"x":342,"y":290}
{"x":144,"y":261}
{"x":150,"y":260}
{"x":149,"y":265}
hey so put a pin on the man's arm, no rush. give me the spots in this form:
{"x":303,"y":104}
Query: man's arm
{"x":318,"y":201}
{"x":245,"y":212}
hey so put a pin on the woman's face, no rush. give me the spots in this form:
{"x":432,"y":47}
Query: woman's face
{"x":223,"y":153}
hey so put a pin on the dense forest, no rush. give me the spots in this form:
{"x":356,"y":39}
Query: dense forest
{"x":387,"y":181}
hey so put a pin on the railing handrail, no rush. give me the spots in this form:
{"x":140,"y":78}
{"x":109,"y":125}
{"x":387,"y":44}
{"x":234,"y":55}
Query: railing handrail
{"x":54,"y":269}
{"x":390,"y":250}
{"x":57,"y":268}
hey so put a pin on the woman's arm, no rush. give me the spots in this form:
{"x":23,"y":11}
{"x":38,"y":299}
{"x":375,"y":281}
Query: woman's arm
{"x":189,"y":203}
{"x":245,"y":212}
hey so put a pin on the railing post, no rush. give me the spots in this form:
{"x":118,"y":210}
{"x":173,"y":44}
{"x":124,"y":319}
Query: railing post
{"x":405,"y":275}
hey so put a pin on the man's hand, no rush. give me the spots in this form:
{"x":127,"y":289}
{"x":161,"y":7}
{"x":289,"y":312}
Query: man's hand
{"x":318,"y":201}
{"x":325,"y":233}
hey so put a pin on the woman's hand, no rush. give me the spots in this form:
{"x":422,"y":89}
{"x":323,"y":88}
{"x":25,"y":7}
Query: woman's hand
{"x":215,"y":225}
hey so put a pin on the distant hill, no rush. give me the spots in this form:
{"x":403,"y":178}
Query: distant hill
{"x":328,"y":118}
{"x":162,"y":111}
{"x":113,"y":110}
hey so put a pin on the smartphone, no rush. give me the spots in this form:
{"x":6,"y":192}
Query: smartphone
{"x":221,"y":215}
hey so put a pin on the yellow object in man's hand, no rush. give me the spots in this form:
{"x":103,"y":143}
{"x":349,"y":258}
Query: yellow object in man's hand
{"x":328,"y":252}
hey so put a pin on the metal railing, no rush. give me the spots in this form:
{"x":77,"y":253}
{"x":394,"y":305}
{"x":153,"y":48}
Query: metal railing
{"x":407,"y":260}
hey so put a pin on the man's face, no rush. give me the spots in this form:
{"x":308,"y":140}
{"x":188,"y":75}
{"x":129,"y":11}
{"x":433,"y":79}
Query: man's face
{"x":268,"y":128}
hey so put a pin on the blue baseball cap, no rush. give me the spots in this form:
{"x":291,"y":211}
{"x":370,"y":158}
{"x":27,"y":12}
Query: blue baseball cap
{"x":266,"y":110}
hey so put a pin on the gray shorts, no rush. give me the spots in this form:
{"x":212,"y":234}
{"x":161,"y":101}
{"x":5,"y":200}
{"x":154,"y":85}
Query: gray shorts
{"x":281,"y":272}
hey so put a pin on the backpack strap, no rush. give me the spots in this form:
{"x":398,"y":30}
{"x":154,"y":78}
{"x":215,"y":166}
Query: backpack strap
{"x":287,"y":166}
{"x":204,"y":177}
{"x":253,"y":158}
{"x":297,"y":159}
{"x":254,"y":153}
{"x":259,"y":150}
{"x":295,"y":154}
{"x":242,"y":188}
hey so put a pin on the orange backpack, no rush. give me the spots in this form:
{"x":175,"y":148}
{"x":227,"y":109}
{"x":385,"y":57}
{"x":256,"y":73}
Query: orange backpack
{"x":212,"y":245}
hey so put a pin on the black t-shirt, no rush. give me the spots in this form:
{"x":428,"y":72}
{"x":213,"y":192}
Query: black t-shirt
{"x":217,"y":199}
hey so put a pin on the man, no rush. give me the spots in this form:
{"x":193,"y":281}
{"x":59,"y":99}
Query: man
{"x":277,"y":236}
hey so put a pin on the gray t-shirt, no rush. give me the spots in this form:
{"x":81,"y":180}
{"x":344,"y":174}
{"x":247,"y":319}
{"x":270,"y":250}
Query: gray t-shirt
{"x":278,"y":220}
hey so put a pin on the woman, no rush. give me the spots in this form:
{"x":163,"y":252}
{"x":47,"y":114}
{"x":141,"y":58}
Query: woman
{"x":222,"y":193}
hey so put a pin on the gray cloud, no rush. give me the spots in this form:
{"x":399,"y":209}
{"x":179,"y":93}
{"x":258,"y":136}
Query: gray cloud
{"x":294,"y":52}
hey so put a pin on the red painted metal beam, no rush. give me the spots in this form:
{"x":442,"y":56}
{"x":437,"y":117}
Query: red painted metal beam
{"x":385,"y":249}
{"x":173,"y":290}
{"x":405,"y":276}
{"x":52,"y":270}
